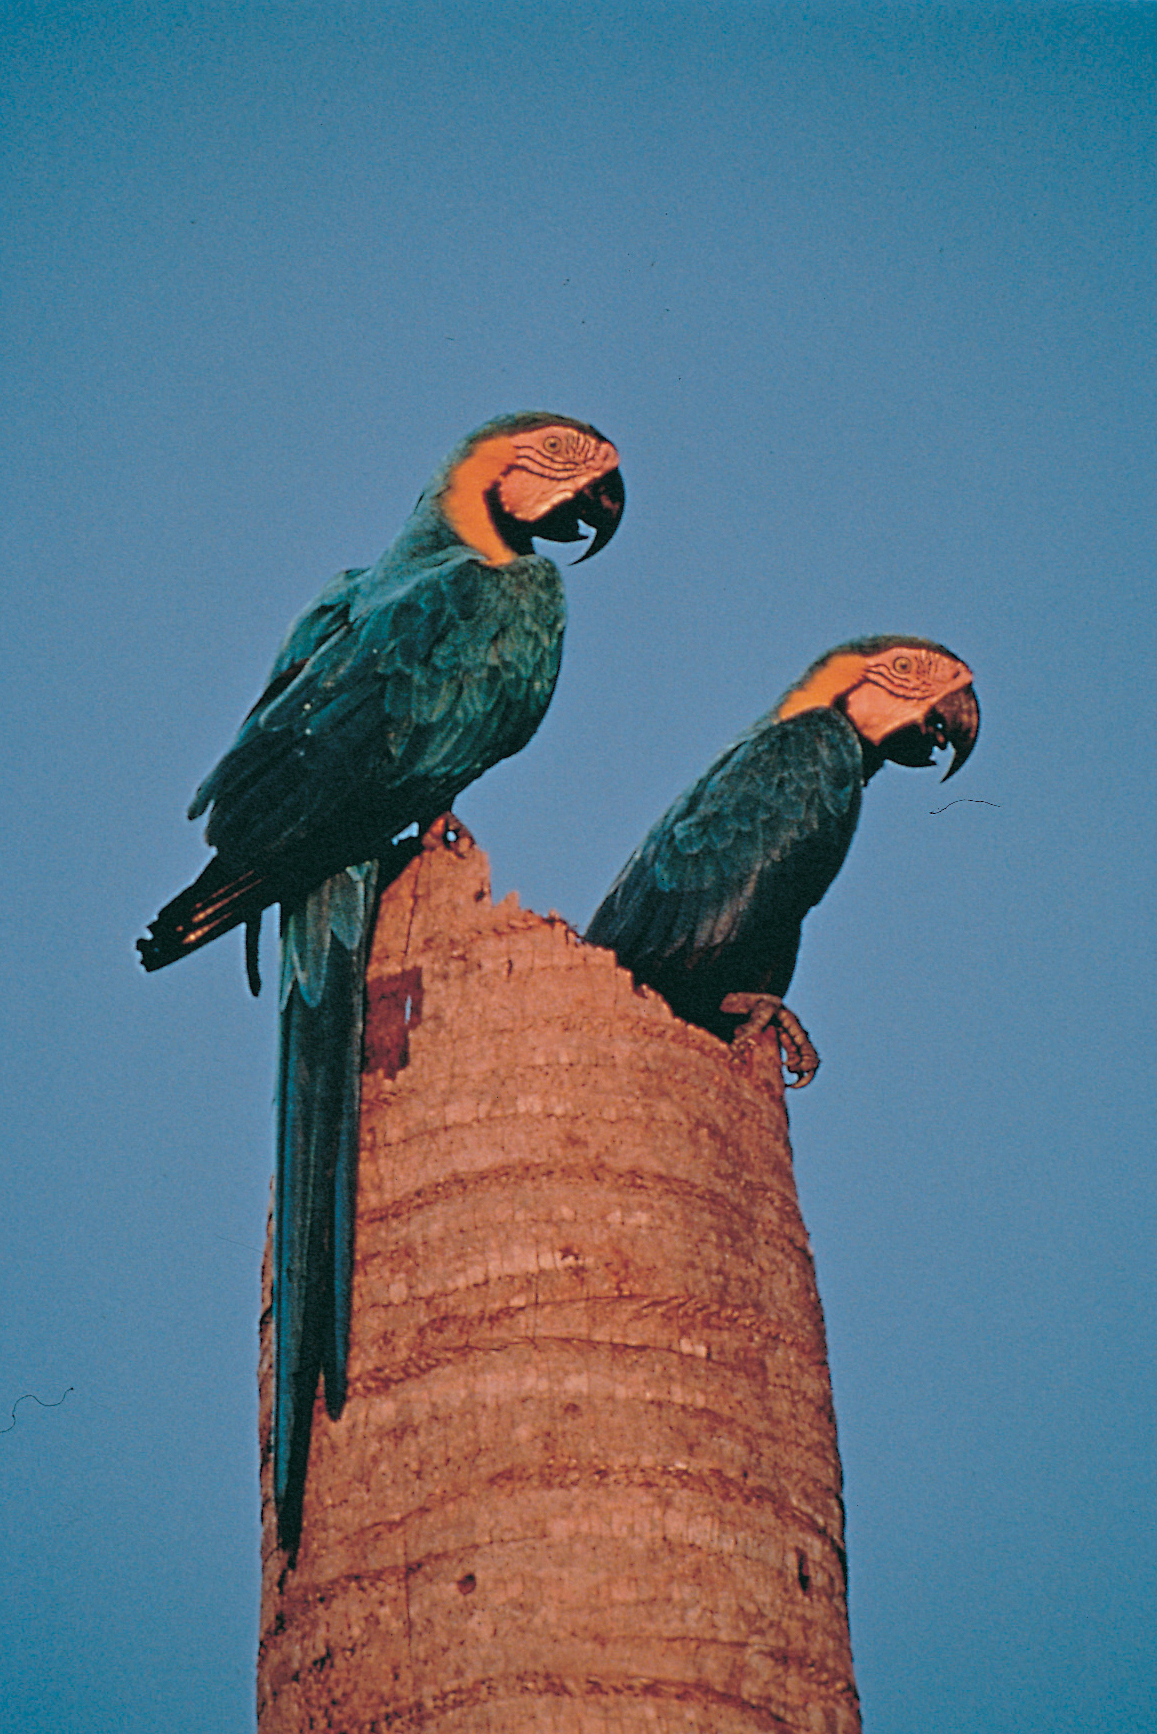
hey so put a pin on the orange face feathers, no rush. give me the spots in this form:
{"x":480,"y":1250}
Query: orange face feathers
{"x":464,"y":501}
{"x":537,"y":481}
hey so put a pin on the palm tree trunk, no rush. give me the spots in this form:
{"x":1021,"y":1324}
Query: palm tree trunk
{"x":586,"y":1478}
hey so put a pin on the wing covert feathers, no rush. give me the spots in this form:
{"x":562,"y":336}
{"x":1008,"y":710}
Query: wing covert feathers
{"x":712,"y":900}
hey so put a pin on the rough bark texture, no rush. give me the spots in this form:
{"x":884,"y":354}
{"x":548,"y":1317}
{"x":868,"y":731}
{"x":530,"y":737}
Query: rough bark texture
{"x":586,"y":1478}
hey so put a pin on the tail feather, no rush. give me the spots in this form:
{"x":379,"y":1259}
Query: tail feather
{"x":319,"y":1097}
{"x":216,"y":901}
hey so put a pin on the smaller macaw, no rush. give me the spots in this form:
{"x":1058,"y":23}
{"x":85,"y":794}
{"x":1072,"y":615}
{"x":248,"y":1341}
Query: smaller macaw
{"x":708,"y":910}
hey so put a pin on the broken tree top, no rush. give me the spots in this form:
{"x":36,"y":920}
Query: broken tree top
{"x":586,"y":1474}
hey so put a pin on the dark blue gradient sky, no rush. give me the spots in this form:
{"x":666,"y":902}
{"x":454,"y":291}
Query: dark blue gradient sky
{"x":865,"y":298}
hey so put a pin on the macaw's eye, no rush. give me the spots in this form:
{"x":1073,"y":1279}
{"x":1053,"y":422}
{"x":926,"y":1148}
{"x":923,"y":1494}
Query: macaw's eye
{"x":552,"y":443}
{"x":903,"y":665}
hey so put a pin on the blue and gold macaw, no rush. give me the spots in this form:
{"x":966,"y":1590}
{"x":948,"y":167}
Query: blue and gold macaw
{"x":399,"y":686}
{"x":709,"y":908}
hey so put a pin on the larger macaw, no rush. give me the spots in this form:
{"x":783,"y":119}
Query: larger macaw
{"x":708,"y":909}
{"x":400,"y":685}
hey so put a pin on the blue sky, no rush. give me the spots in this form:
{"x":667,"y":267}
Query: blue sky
{"x":864,"y":297}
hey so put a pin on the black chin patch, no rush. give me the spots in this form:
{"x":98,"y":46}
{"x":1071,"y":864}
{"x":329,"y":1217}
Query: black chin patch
{"x":910,"y":746}
{"x":559,"y":525}
{"x":513,"y":531}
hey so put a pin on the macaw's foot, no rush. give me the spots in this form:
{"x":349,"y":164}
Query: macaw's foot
{"x":767,"y":1011}
{"x":447,"y":832}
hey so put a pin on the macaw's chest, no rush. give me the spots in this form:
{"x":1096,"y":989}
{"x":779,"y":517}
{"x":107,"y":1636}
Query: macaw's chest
{"x":476,"y":693}
{"x":521,"y":623}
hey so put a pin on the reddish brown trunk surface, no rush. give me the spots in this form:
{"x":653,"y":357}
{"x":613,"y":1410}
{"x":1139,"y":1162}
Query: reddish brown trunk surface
{"x":586,"y":1478}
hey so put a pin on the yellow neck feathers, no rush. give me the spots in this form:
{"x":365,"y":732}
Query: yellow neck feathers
{"x":464,"y":500}
{"x":829,"y":682}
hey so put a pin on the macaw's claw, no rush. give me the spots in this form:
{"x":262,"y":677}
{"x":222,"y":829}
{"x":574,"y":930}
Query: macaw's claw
{"x":448,"y":832}
{"x":767,"y":1011}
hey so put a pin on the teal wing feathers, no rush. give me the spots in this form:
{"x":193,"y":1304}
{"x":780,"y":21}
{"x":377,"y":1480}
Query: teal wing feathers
{"x":712,"y":901}
{"x":398,"y":689}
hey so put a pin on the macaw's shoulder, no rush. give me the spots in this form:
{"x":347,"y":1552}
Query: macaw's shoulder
{"x":457,"y":600}
{"x":410,"y":615}
{"x":752,"y":845}
{"x":411,"y":662}
{"x":778,"y":785}
{"x":386,"y":603}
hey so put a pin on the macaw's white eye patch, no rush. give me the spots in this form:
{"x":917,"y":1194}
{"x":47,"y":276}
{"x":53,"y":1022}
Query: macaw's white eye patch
{"x":907,"y":673}
{"x":551,"y":465}
{"x":917,"y":673}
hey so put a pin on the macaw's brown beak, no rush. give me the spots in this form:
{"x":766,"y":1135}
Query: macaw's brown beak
{"x":956,"y":720}
{"x":599,"y":505}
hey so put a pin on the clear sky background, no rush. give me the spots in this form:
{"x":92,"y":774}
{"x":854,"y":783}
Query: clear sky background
{"x":864,"y":297}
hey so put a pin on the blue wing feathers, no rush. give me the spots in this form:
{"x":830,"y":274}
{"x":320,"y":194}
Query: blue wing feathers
{"x":394,"y":710}
{"x":712,"y":900}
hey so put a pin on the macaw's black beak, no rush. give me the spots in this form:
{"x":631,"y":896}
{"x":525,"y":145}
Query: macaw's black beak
{"x":599,"y":505}
{"x":954,"y":721}
{"x":957,"y":722}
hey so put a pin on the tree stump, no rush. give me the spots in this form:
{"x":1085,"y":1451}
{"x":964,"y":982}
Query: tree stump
{"x":586,"y":1478}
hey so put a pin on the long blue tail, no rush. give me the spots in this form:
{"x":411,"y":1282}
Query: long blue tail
{"x":324,"y":946}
